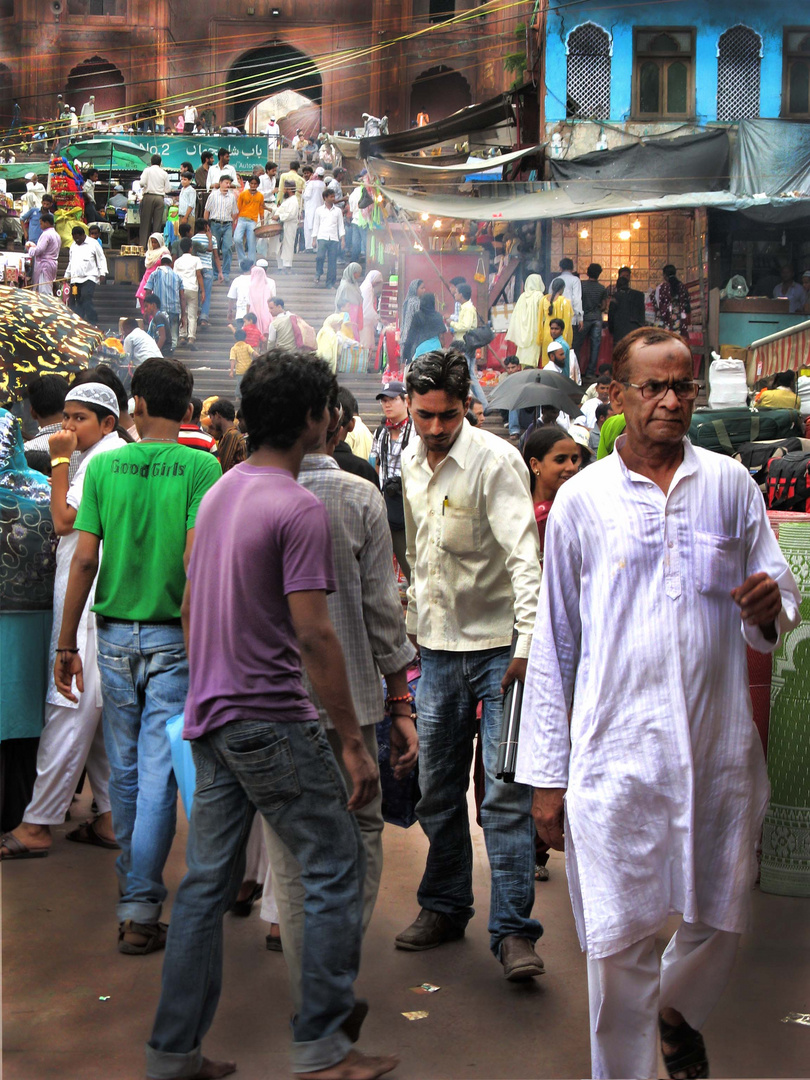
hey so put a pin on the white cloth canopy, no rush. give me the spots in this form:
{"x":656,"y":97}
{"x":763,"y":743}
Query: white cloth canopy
{"x":637,"y":632}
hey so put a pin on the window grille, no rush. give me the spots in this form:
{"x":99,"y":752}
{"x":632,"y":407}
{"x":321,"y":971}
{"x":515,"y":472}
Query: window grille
{"x":588,"y":85}
{"x":738,"y":63}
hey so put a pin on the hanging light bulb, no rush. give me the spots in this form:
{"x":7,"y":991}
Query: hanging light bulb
{"x":636,"y":224}
{"x":584,"y":234}
{"x":425,"y":217}
{"x":624,"y":234}
{"x":437,"y":224}
{"x":462,"y":239}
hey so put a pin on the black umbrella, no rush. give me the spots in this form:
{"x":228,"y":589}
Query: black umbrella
{"x":506,"y":393}
{"x":535,"y":395}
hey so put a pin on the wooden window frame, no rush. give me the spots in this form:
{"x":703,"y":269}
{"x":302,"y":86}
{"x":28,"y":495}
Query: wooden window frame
{"x":787,"y":57}
{"x":663,"y":117}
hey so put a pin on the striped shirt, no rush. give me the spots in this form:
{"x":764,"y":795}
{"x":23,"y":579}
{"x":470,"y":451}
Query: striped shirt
{"x":199,"y":247}
{"x":365,"y":610}
{"x":167,"y":286}
{"x":219,"y":206}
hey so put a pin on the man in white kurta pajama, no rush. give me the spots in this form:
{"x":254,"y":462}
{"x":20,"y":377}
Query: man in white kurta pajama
{"x":640,"y":637}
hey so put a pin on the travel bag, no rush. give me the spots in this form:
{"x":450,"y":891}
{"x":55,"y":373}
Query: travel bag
{"x":725,"y":430}
{"x":789,"y":482}
{"x":755,"y":456}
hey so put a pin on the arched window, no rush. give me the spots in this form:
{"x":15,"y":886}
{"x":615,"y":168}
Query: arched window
{"x":739,"y":54}
{"x":588,"y":83}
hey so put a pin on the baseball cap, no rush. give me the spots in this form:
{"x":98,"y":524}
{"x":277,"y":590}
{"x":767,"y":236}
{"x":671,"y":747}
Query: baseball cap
{"x":391,"y":390}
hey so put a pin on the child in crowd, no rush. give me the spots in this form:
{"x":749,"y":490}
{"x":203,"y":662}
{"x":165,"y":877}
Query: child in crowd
{"x":252,"y":335}
{"x":242,"y":356}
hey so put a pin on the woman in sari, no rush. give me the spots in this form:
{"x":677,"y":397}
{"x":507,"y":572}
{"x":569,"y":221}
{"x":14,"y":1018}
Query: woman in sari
{"x":262,"y":290}
{"x":349,"y":298}
{"x":555,"y":306}
{"x":525,"y":322}
{"x":370,"y":291}
{"x":426,"y":329}
{"x":155,"y":250}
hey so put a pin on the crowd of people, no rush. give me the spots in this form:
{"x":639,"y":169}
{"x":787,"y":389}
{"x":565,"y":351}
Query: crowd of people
{"x":304,"y":519}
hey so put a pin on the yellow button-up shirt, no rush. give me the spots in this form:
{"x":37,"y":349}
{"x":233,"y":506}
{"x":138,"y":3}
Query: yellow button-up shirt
{"x":472,"y":545}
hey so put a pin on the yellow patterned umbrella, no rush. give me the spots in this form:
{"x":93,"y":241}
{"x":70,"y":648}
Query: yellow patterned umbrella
{"x":39,"y":335}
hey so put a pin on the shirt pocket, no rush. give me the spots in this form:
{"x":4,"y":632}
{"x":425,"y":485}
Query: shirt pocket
{"x":460,"y":530}
{"x":718,"y":563}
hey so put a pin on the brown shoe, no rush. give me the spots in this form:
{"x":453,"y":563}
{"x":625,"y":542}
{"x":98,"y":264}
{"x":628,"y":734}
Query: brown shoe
{"x":139,"y":939}
{"x":431,"y":929}
{"x":520,"y":961}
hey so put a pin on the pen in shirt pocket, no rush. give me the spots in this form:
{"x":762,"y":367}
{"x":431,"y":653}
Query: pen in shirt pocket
{"x":445,"y":503}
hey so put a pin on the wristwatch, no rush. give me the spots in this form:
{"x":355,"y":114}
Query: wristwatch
{"x":59,"y":461}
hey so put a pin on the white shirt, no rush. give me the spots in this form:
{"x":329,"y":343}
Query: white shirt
{"x":187,"y":200}
{"x":267,"y":185}
{"x":215,"y":172}
{"x":573,"y":292}
{"x":187,"y":266}
{"x":86,"y":262}
{"x":189,"y":115}
{"x":589,"y":408}
{"x":637,"y":634}
{"x":240,"y":292}
{"x":272,"y":131}
{"x":155,"y":181}
{"x":139,"y":346}
{"x":472,"y":545}
{"x":328,"y":223}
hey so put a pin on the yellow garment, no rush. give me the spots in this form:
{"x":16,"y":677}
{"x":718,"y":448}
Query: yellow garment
{"x":780,"y":398}
{"x":524,"y":323}
{"x":241,"y":356}
{"x":331,"y":336}
{"x":560,"y":309}
{"x":293,"y":177}
{"x":360,"y":439}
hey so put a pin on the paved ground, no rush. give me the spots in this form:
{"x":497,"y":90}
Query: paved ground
{"x":59,"y":958}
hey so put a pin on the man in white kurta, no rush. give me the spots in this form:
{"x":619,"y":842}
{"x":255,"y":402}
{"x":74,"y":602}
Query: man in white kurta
{"x":660,"y":565}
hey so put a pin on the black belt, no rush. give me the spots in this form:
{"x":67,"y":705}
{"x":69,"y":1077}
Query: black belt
{"x":222,"y":221}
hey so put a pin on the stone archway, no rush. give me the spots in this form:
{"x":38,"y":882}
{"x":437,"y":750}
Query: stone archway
{"x":439,"y":91}
{"x":266,"y":71}
{"x":101,"y":78}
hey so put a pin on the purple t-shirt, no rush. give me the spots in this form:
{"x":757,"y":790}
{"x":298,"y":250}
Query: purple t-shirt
{"x":259,"y":536}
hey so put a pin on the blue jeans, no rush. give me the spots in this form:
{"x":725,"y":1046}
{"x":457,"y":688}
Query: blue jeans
{"x":223,"y":234}
{"x":591,"y":338}
{"x":475,"y":385}
{"x":514,"y":422}
{"x":447,"y":695}
{"x":354,"y":242}
{"x":144,"y":681}
{"x":287,"y":772}
{"x":208,"y":282}
{"x":243,"y":239}
{"x":327,"y":249}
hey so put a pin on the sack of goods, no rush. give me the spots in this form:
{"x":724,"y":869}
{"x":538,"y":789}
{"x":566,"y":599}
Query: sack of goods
{"x":725,"y":431}
{"x":353,"y":358}
{"x":789,"y":483}
{"x":728,"y":388}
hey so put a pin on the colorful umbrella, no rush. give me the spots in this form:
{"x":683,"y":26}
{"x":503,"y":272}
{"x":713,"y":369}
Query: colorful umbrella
{"x":38,"y":336}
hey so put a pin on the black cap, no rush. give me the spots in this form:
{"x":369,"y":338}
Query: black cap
{"x":392,"y":389}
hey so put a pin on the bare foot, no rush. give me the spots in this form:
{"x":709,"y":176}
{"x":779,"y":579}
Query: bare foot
{"x":34,"y":837}
{"x":355,"y":1066}
{"x":212,"y":1070}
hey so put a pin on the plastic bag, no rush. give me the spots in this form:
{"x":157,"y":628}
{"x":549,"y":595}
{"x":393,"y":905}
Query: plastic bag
{"x":182,"y":761}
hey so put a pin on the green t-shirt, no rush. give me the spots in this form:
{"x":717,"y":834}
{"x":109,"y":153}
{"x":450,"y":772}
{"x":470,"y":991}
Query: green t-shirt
{"x":611,"y":430}
{"x":142,"y":499}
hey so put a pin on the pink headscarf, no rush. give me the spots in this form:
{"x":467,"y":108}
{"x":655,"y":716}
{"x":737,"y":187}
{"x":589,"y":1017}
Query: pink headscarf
{"x":262,"y":290}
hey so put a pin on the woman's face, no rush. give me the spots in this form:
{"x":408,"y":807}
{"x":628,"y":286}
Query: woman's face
{"x":555,"y":330}
{"x":560,"y":464}
{"x":421,"y":289}
{"x":358,"y":274}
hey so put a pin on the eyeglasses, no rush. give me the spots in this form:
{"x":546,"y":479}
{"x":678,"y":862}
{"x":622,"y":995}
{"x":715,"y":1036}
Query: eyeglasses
{"x":652,"y":389}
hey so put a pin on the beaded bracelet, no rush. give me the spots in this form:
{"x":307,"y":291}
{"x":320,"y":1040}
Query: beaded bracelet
{"x":403,"y":697}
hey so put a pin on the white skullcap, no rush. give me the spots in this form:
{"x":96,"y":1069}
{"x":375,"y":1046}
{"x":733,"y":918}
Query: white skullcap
{"x":95,"y":394}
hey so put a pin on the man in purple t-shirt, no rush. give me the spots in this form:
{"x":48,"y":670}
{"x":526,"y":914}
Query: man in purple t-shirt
{"x":264,"y":541}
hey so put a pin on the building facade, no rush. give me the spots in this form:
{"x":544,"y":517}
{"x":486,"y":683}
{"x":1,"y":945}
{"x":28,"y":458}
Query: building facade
{"x":396,"y":56}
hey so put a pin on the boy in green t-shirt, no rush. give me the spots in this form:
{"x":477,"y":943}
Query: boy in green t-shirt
{"x":141,"y":500}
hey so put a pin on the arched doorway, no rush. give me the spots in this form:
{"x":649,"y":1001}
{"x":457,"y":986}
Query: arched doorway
{"x":6,"y":97}
{"x":266,"y":71}
{"x":292,"y":111}
{"x":101,"y":78}
{"x":439,"y":91}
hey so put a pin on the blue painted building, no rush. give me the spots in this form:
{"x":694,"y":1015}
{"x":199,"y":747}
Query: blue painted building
{"x":657,"y":68}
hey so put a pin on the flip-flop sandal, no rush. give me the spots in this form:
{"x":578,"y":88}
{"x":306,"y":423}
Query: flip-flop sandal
{"x":18,"y":850}
{"x":243,"y":908}
{"x":690,"y":1056}
{"x":86,"y":834}
{"x":273,"y":943}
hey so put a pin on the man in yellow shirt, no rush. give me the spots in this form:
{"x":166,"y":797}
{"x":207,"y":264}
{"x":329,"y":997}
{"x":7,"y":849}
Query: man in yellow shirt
{"x":241,"y":358}
{"x":250,"y":207}
{"x":292,"y":176}
{"x":782,"y":394}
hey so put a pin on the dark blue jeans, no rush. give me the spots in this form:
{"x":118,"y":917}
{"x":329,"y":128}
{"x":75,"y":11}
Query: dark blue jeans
{"x":447,"y":695}
{"x":327,"y":249}
{"x":287,"y":772}
{"x":591,"y":337}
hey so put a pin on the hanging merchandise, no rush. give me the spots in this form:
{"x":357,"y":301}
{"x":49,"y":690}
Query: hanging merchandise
{"x":480,"y":274}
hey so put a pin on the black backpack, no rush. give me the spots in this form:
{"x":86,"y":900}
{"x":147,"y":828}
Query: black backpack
{"x":788,"y":482}
{"x":756,"y":455}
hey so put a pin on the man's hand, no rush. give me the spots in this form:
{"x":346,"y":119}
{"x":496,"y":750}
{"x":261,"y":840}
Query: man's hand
{"x":363,"y":771}
{"x":516,"y":670}
{"x":548,"y":814}
{"x":62,"y":443}
{"x":760,"y":602}
{"x":404,"y":746}
{"x":314,"y":245}
{"x":66,"y":666}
